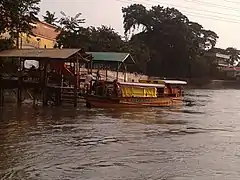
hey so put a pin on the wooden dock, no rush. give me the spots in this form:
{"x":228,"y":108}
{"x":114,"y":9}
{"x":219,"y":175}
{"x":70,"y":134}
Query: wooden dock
{"x":51,"y":82}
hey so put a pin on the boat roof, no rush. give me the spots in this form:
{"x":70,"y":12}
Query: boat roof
{"x":175,"y":82}
{"x":163,"y":81}
{"x":142,"y":84}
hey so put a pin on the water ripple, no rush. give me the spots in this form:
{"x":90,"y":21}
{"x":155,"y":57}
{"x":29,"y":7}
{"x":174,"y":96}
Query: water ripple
{"x":199,"y":140}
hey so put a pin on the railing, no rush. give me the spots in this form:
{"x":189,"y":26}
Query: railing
{"x":112,"y":75}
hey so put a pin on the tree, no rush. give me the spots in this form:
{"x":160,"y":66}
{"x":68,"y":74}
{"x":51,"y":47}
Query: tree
{"x":17,"y":16}
{"x":73,"y":35}
{"x":70,"y":24}
{"x":71,"y":30}
{"x":104,"y":39}
{"x":174,"y":42}
{"x":234,"y":55}
{"x":50,"y":18}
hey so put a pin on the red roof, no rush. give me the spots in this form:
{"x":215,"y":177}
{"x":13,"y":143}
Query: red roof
{"x":45,"y":30}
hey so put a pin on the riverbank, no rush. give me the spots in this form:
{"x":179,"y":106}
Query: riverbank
{"x":212,"y":84}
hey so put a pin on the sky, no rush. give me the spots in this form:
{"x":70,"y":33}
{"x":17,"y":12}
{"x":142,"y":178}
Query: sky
{"x":221,"y":16}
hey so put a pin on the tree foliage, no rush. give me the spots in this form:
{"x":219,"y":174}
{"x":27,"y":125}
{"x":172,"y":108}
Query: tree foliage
{"x":70,"y":24}
{"x":167,"y":43}
{"x":50,"y":18}
{"x":234,"y":55}
{"x":175,"y":43}
{"x":73,"y":35}
{"x":17,"y":16}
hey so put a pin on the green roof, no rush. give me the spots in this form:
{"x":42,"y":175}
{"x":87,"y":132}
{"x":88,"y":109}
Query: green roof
{"x":112,"y":57}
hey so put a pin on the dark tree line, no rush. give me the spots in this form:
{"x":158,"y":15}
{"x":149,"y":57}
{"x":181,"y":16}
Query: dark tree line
{"x":168,"y":43}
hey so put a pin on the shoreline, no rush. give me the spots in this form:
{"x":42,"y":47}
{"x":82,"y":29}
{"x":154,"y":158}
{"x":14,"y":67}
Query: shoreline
{"x":213,"y":84}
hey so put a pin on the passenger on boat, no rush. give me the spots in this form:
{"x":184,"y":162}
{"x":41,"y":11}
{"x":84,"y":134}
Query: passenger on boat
{"x":88,"y":81}
{"x":160,"y":92}
{"x":168,"y":90}
{"x":95,"y":86}
{"x":116,"y":88}
{"x":98,"y":75}
{"x":101,"y":90}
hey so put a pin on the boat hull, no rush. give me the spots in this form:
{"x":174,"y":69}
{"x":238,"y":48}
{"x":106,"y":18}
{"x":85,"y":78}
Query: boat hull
{"x":131,"y":102}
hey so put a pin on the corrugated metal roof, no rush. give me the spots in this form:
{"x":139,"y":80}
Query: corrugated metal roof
{"x":39,"y":53}
{"x":112,"y":57}
{"x":178,"y":82}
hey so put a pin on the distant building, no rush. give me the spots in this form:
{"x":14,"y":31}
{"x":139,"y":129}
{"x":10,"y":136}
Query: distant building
{"x":222,"y":61}
{"x":219,"y":58}
{"x":44,"y":36}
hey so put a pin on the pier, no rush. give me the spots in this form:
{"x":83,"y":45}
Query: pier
{"x":60,"y":75}
{"x":51,"y":81}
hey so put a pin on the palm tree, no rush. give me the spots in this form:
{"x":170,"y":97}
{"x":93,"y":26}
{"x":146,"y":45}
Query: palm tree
{"x":70,"y":23}
{"x":50,"y":18}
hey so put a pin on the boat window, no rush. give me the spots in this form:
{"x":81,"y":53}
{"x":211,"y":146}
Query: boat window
{"x":160,"y":92}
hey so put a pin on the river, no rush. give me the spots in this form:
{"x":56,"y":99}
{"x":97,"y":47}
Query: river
{"x":199,"y":141}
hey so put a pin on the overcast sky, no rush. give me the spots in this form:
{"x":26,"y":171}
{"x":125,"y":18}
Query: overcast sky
{"x":221,"y":16}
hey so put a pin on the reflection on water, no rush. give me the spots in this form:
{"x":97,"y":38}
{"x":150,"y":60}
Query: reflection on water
{"x":199,"y":140}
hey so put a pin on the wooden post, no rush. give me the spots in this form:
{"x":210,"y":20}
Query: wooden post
{"x":19,"y":91}
{"x":1,"y":93}
{"x":106,"y":73}
{"x":78,"y":72}
{"x":20,"y":84}
{"x":1,"y":97}
{"x":44,"y":84}
{"x":58,"y":93}
{"x":91,"y":64}
{"x":117,"y":70}
{"x":75,"y":84}
{"x":125,"y":72}
{"x":34,"y":97}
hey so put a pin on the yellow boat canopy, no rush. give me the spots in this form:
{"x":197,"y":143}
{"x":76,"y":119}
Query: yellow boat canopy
{"x":135,"y":91}
{"x":139,"y":89}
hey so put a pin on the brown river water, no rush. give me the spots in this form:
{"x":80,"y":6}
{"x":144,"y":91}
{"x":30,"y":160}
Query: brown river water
{"x":198,"y":141}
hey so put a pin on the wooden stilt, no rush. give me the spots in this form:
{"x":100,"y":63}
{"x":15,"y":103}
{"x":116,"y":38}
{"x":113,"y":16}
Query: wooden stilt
{"x":75,"y":83}
{"x":44,"y":85}
{"x":1,"y":93}
{"x":125,"y":72}
{"x":1,"y":97}
{"x":57,"y":92}
{"x":106,"y":74}
{"x":20,"y":83}
{"x":75,"y":92}
{"x":117,"y":70}
{"x":91,"y":64}
{"x":34,"y":97}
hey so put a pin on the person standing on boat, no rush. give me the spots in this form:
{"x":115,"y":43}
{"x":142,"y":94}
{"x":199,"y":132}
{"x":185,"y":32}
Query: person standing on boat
{"x":88,"y":81}
{"x":168,"y":90}
{"x":98,"y":76}
{"x":116,"y":88}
